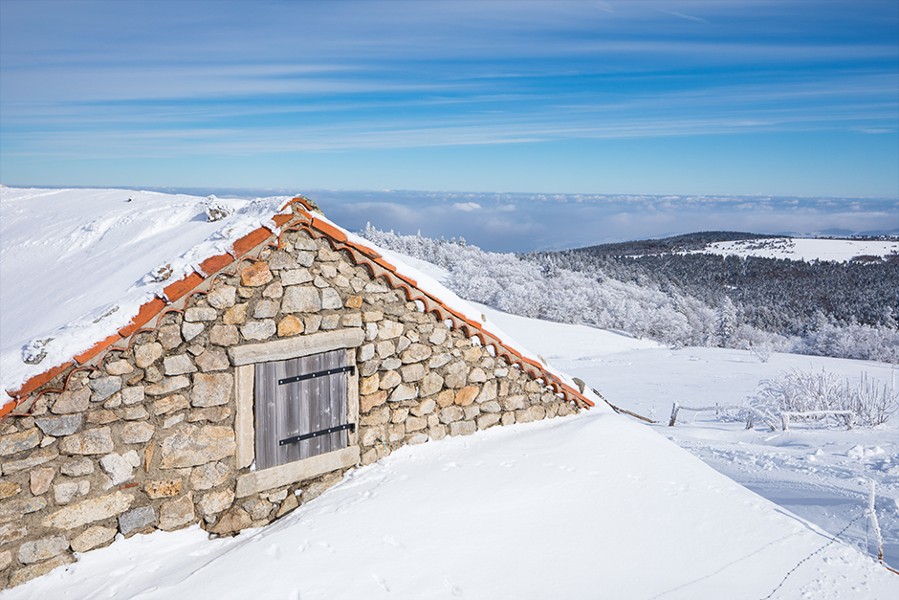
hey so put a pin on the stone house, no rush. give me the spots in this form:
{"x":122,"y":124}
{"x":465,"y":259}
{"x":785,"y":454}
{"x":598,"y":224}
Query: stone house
{"x":249,"y":386}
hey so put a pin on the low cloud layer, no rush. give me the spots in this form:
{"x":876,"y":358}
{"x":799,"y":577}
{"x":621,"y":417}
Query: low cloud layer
{"x":525,"y":222}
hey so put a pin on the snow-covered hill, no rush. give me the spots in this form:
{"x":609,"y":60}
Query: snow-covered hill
{"x":76,"y":264}
{"x":593,"y":506}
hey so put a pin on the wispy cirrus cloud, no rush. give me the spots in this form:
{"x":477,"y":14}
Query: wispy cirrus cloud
{"x":143,"y":81}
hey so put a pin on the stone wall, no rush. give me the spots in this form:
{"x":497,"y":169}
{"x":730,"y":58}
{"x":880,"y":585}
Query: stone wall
{"x":145,"y":439}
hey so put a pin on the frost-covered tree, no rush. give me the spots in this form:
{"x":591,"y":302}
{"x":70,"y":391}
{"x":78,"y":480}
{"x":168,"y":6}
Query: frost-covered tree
{"x":726,"y":314}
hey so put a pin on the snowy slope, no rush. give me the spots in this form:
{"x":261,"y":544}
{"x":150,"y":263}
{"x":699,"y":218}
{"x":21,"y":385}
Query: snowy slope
{"x":75,"y":264}
{"x":821,"y":474}
{"x":593,"y":506}
{"x":807,"y":249}
{"x":586,"y":507}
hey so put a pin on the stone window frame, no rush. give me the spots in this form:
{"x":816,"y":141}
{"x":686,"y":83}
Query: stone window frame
{"x":244,"y":359}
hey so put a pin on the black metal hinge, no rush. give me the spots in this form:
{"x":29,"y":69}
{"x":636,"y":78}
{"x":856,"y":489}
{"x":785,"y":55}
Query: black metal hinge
{"x":351,"y":369}
{"x":308,"y":436}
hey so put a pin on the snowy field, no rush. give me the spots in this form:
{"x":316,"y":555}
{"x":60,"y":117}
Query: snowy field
{"x":820,"y":473}
{"x":593,"y":506}
{"x":804,"y":248}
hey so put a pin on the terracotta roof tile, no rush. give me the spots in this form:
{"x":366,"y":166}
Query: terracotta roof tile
{"x":369,"y":252}
{"x":41,"y":379}
{"x":145,"y":313}
{"x":385,"y":264}
{"x":251,"y":240}
{"x":179,"y":288}
{"x":280,"y":220}
{"x":216,"y":263}
{"x":97,"y":349}
{"x":408,"y":280}
{"x":301,"y":200}
{"x":329,"y":230}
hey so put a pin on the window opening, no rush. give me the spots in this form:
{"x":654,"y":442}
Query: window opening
{"x":301,"y":407}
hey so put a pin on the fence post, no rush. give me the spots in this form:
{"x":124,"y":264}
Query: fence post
{"x":874,"y":524}
{"x":674,"y":408}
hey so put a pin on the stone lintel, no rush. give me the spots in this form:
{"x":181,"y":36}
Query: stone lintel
{"x":295,"y":347}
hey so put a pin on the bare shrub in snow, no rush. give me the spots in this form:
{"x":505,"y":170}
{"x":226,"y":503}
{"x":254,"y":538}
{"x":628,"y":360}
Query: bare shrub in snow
{"x":216,"y":210}
{"x":874,"y":403}
{"x":35,"y":351}
{"x":808,"y":392}
{"x":761,"y":351}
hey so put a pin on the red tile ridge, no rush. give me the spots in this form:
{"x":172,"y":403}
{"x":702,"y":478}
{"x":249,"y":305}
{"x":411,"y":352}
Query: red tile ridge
{"x":407,"y":279}
{"x":483,"y":335}
{"x":301,"y":200}
{"x":579,"y":396}
{"x":281,"y":219}
{"x":8,"y":408}
{"x":369,"y":252}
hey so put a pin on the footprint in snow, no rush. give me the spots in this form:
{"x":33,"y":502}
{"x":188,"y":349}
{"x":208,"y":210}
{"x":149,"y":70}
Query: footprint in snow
{"x":381,"y":582}
{"x":274,"y":550}
{"x":452,"y":589}
{"x":123,"y":571}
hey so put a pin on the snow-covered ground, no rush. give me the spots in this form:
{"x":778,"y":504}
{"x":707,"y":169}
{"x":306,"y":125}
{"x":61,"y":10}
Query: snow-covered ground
{"x":818,"y":473}
{"x":804,"y":248}
{"x":593,"y":506}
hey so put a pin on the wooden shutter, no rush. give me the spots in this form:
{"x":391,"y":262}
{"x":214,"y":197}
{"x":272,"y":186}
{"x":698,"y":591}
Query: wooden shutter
{"x":291,"y":409}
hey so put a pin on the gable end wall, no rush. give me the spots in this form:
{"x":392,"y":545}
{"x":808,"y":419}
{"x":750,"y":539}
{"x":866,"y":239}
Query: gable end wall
{"x":146,"y":439}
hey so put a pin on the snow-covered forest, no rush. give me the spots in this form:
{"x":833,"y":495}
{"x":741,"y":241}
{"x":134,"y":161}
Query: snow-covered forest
{"x":842,"y":310}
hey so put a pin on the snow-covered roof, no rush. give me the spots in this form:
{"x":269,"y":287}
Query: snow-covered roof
{"x":106,"y":263}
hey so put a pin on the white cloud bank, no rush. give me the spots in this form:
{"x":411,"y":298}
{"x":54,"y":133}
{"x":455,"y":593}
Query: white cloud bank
{"x":525,"y":222}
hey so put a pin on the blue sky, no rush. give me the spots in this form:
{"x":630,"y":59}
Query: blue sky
{"x":739,"y":97}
